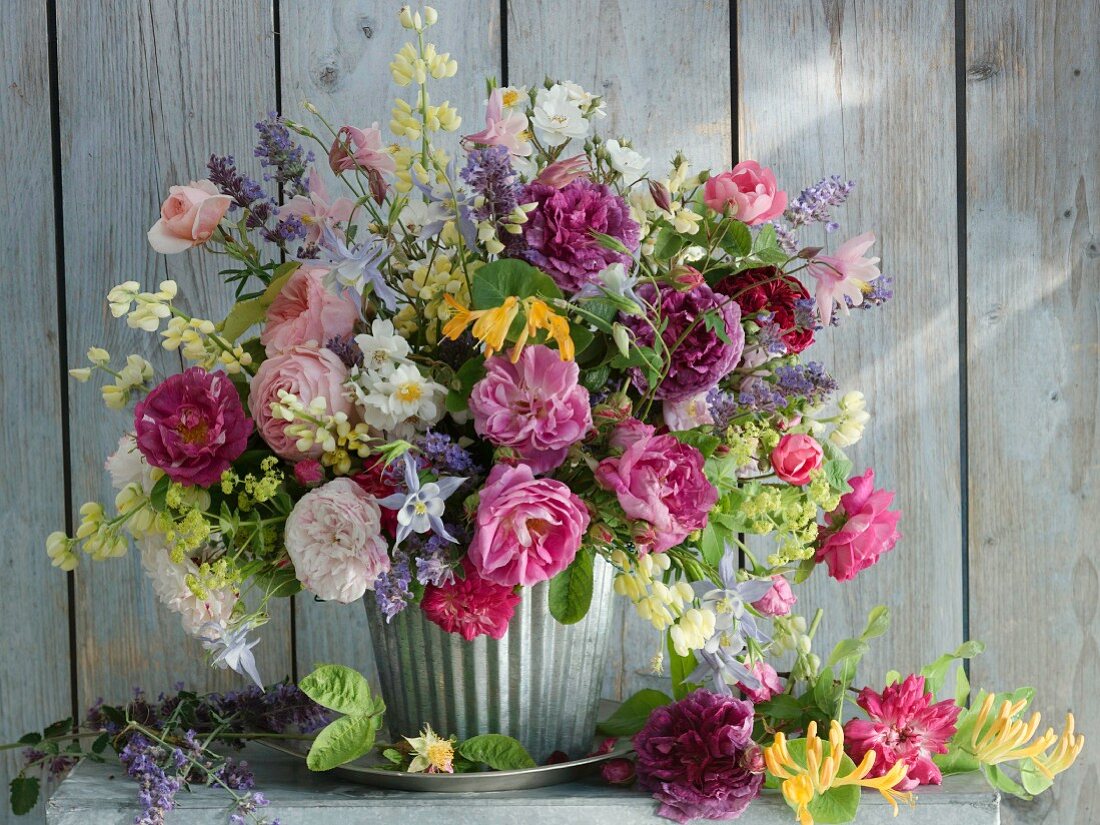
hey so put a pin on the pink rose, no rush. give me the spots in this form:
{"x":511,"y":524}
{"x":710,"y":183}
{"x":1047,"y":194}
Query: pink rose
{"x":470,"y":606}
{"x":660,"y":481}
{"x":535,"y":406}
{"x":859,"y":530}
{"x":308,"y":373}
{"x":795,"y":457}
{"x":749,"y":192}
{"x":304,"y":310}
{"x":367,"y":151}
{"x":769,"y":683}
{"x":779,"y":600}
{"x":687,"y":413}
{"x":334,"y":540}
{"x":527,"y":529}
{"x":188,"y":217}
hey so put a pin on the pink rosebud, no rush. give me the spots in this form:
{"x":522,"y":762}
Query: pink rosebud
{"x":601,"y":533}
{"x":769,"y":683}
{"x":748,"y":193}
{"x":661,"y":197}
{"x":686,"y":277}
{"x":188,"y":217}
{"x":309,"y":472}
{"x":779,"y":600}
{"x":563,"y":172}
{"x":359,"y":149}
{"x":618,"y":771}
{"x":795,"y":457}
{"x":605,"y":747}
{"x":859,"y":530}
{"x":752,"y":759}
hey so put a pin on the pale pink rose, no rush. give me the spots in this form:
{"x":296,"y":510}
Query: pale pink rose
{"x":307,"y":372}
{"x":188,"y":217}
{"x":315,"y":210}
{"x":779,"y":600}
{"x":795,"y":457}
{"x":527,"y":529}
{"x":304,"y":310}
{"x":843,"y":274}
{"x":534,"y":406}
{"x":749,"y":192}
{"x":859,"y":530}
{"x":367,"y":151}
{"x":769,"y":683}
{"x":507,"y":130}
{"x":334,"y":539}
{"x":687,"y":413}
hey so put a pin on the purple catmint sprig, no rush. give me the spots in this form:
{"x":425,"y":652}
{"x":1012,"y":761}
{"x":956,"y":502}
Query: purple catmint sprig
{"x":807,"y":381}
{"x":814,"y":204}
{"x":280,"y":153}
{"x":230,"y":181}
{"x":287,"y":230}
{"x":489,"y":173}
{"x":391,"y":590}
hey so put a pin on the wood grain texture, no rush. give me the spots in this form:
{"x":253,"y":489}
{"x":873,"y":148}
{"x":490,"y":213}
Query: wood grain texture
{"x":336,"y":55}
{"x":34,"y":667}
{"x":664,"y":70}
{"x":146,"y":93}
{"x":1033,"y":308}
{"x":866,"y":89}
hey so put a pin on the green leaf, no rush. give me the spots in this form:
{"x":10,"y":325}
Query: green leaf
{"x":394,"y":756}
{"x":847,"y":648}
{"x":765,"y":239}
{"x":962,"y":687}
{"x":467,"y":375}
{"x":603,"y":308}
{"x":497,"y":280}
{"x":279,"y":583}
{"x":668,"y":243}
{"x":704,"y":442}
{"x":345,"y":740}
{"x":782,"y":706}
{"x":1034,"y":780}
{"x":956,"y":760}
{"x":631,"y":716}
{"x":57,"y":728}
{"x":339,"y":688}
{"x":1004,"y":783}
{"x":29,"y":739}
{"x":595,"y":379}
{"x":609,"y":242}
{"x":24,"y":794}
{"x":100,"y":743}
{"x":836,"y":805}
{"x":712,"y":545}
{"x":737,"y":240}
{"x":571,"y":590}
{"x":159,"y":492}
{"x":246,"y":314}
{"x":893,"y":677}
{"x":499,"y":752}
{"x":878,"y":622}
{"x":837,"y":466}
{"x":936,"y":673}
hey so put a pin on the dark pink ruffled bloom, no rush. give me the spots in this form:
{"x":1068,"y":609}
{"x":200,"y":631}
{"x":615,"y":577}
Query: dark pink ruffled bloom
{"x":559,"y":231}
{"x":860,"y":529}
{"x":192,"y":426}
{"x":695,"y":756}
{"x":905,"y":725}
{"x":659,"y":481}
{"x":703,"y":358}
{"x":471,"y":606}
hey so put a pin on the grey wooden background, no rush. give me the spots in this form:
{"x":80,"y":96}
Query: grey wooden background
{"x":971,"y":127}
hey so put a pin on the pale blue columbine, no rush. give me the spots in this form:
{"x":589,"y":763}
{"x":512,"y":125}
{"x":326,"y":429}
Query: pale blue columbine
{"x":232,"y":649}
{"x":734,"y":625}
{"x":615,"y":282}
{"x":420,"y":509}
{"x":356,"y":266}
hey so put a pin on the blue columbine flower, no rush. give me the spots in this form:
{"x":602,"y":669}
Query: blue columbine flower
{"x":232,"y":649}
{"x":420,"y":509}
{"x":356,"y":267}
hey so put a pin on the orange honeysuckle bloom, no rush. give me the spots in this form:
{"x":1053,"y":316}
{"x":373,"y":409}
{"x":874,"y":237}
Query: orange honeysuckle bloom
{"x":1066,"y":750}
{"x":801,"y":784}
{"x":1007,"y":738}
{"x":490,"y":325}
{"x":541,"y":317}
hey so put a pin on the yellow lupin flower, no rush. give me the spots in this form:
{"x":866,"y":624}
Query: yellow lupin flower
{"x":1007,"y":738}
{"x":541,"y":317}
{"x":801,"y":784}
{"x":1066,"y":750}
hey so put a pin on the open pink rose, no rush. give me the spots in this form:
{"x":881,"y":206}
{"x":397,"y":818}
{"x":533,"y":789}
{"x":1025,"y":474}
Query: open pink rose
{"x":795,"y":457}
{"x":859,"y":530}
{"x":769,"y":683}
{"x":779,"y":600}
{"x":188,"y":217}
{"x":470,"y":606}
{"x":749,"y":192}
{"x":308,"y":372}
{"x":527,"y":529}
{"x":304,"y":310}
{"x":534,"y":406}
{"x":659,"y":481}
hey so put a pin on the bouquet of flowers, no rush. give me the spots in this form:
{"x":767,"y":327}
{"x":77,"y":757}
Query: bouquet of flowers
{"x":480,"y":370}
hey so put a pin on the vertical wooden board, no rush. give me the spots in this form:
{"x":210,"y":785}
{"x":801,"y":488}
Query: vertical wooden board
{"x":336,"y":55}
{"x":1033,"y":304}
{"x":147,"y":92}
{"x":664,"y":70}
{"x":34,"y":685}
{"x":866,"y":89}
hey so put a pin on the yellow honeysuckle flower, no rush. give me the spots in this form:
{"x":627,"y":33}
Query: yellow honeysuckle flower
{"x":1007,"y":738}
{"x":490,"y":325}
{"x":801,"y":784}
{"x":1066,"y":750}
{"x":541,"y":317}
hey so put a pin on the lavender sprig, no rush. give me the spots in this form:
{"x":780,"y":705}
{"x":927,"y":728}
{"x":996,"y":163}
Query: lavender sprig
{"x":278,"y":151}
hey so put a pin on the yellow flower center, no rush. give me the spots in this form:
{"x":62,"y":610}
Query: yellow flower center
{"x":409,"y":392}
{"x":440,"y":754}
{"x":510,"y":97}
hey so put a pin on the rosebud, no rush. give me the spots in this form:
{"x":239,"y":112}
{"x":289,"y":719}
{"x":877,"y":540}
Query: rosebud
{"x":809,"y":252}
{"x":601,"y":533}
{"x":661,"y":197}
{"x":752,"y":759}
{"x":618,"y":771}
{"x":643,"y":533}
{"x":685,"y":278}
{"x":614,"y":410}
{"x":605,"y":747}
{"x":563,"y":172}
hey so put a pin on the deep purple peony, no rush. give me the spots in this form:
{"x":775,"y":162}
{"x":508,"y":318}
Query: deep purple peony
{"x":192,"y":426}
{"x":559,"y":230}
{"x":703,"y":358}
{"x":694,"y":757}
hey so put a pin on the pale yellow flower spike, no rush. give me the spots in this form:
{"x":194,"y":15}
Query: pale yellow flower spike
{"x":1007,"y":738}
{"x":1066,"y":751}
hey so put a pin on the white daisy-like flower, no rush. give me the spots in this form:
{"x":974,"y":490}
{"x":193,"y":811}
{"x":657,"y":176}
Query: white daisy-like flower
{"x":170,"y":584}
{"x":557,"y":117}
{"x":128,"y":466}
{"x":590,"y":104}
{"x":387,"y":400}
{"x":628,"y":163}
{"x":383,"y":349}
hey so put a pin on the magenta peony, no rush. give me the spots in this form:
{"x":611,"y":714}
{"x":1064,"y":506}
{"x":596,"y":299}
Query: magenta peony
{"x":192,"y":426}
{"x":334,"y":539}
{"x":559,"y":231}
{"x":660,"y":481}
{"x":859,"y":530}
{"x":527,"y":529}
{"x":904,"y":725}
{"x":779,"y":600}
{"x":305,"y":311}
{"x":470,"y":606}
{"x":795,"y":457}
{"x":695,"y":755}
{"x":702,"y":359}
{"x":535,"y":406}
{"x":307,"y":372}
{"x":769,"y":683}
{"x":748,"y":192}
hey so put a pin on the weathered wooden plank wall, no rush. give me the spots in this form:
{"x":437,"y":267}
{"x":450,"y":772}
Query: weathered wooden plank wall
{"x":982,"y":374}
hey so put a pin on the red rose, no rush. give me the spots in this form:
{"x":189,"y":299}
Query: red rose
{"x":767,"y":289}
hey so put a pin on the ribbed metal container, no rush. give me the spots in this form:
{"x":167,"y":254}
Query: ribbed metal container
{"x":540,"y":683}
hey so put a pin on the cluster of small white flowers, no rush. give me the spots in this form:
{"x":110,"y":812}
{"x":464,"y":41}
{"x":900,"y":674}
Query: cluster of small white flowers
{"x":562,"y":112}
{"x":852,"y":420}
{"x":143,"y":310}
{"x":196,"y":340}
{"x":312,"y":424}
{"x":133,"y":377}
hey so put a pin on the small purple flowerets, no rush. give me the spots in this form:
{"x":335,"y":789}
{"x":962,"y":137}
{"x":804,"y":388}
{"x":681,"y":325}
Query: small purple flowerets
{"x":881,"y":291}
{"x":278,"y":151}
{"x":489,"y":173}
{"x":813,"y":205}
{"x":286,"y":230}
{"x":445,"y":456}
{"x":157,"y":792}
{"x":242,"y":189}
{"x":347,"y":351}
{"x":433,"y":564}
{"x":391,"y":589}
{"x":809,"y":381}
{"x":235,"y":775}
{"x":245,"y":810}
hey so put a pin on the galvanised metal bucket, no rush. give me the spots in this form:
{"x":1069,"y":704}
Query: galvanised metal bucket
{"x":540,"y":683}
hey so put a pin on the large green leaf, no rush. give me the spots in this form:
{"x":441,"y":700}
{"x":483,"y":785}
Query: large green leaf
{"x":339,"y":688}
{"x":571,"y":590}
{"x":246,"y":314}
{"x":345,"y":740}
{"x":631,"y":716}
{"x":24,"y":794}
{"x":499,"y":752}
{"x":497,"y":280}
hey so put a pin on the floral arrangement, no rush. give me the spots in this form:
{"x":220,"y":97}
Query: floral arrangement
{"x":483,"y":369}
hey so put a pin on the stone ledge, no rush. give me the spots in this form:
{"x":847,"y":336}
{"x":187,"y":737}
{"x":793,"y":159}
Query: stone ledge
{"x":103,"y":795}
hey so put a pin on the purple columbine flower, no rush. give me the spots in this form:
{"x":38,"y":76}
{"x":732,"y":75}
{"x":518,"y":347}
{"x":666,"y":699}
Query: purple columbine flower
{"x":356,"y":267}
